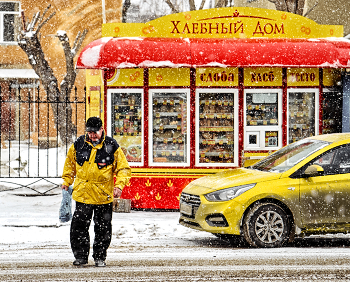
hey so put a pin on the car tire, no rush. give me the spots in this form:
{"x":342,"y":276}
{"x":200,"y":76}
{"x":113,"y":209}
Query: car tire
{"x":266,"y":226}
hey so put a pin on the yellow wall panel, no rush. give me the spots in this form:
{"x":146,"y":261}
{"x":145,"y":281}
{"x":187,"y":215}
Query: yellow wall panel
{"x":331,"y":77}
{"x":169,"y":77}
{"x":126,"y":77}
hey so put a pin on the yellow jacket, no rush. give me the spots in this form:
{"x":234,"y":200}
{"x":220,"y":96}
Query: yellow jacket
{"x":94,"y":185}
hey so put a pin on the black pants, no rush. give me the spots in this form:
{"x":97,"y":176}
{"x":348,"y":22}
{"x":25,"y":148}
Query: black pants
{"x":79,"y":230}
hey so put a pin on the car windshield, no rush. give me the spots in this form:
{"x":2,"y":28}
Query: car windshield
{"x":287,"y":157}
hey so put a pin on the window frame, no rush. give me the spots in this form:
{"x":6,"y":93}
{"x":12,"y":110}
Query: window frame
{"x":234,"y":92}
{"x":110,"y":131}
{"x":2,"y":26}
{"x":187,"y":149}
{"x":300,"y":172}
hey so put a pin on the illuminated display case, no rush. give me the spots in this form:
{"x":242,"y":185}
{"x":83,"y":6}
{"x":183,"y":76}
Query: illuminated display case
{"x":302,"y":115}
{"x":262,"y":120}
{"x":168,"y":127}
{"x":125,"y":122}
{"x":216,"y":130}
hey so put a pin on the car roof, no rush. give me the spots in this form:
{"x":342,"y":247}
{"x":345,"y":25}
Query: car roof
{"x":334,"y":137}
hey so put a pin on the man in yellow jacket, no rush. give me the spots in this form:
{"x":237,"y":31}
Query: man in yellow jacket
{"x":94,"y":159}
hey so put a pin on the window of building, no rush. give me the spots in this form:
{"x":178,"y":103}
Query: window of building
{"x":9,"y":21}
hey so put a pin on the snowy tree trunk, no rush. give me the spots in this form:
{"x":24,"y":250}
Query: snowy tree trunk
{"x":291,"y":6}
{"x":126,"y":6}
{"x":29,"y":41}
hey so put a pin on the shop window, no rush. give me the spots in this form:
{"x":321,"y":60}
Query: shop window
{"x":262,"y":109}
{"x":168,"y":127}
{"x":302,"y":114}
{"x":9,"y":21}
{"x":125,"y":122}
{"x":262,"y":119}
{"x":332,"y":111}
{"x":217,"y":128}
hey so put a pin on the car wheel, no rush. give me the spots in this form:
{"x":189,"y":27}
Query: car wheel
{"x":266,"y":225}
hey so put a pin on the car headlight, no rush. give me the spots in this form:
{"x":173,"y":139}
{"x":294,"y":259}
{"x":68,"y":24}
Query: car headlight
{"x":228,"y":193}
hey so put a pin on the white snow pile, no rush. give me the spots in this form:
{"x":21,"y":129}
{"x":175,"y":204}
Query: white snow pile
{"x":91,"y":56}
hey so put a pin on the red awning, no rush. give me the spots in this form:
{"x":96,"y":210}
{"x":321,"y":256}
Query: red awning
{"x":110,"y":53}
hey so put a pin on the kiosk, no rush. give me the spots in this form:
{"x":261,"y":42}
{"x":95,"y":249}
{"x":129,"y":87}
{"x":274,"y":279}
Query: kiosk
{"x":194,"y":93}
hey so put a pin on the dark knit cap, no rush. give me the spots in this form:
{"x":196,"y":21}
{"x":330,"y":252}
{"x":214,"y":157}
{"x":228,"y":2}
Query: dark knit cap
{"x":93,"y":124}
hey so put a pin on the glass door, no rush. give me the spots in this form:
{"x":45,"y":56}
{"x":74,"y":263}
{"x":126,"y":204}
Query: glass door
{"x":302,"y":113}
{"x":125,"y":124}
{"x":168,"y":127}
{"x":217,"y":127}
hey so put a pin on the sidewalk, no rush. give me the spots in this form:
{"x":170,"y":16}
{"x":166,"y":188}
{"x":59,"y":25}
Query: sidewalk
{"x":32,"y":222}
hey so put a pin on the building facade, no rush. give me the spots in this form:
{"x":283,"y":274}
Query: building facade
{"x":194,"y":93}
{"x":16,"y":75}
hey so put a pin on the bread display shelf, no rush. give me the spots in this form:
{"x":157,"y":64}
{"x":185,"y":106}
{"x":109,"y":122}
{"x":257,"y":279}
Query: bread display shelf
{"x":216,"y":141}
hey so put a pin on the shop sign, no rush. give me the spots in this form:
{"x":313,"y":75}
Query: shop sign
{"x":229,"y":22}
{"x":263,"y":77}
{"x":169,"y":77}
{"x":224,"y":77}
{"x":125,"y":77}
{"x":303,"y":77}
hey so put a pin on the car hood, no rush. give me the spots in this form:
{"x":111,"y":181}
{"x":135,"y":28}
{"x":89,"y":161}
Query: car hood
{"x":229,"y":178}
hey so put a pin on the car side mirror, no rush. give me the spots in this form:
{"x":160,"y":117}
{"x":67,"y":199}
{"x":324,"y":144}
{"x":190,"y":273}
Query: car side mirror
{"x":314,"y":170}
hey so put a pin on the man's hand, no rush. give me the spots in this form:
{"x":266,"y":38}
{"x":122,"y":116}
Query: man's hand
{"x":117,"y":192}
{"x":64,"y":187}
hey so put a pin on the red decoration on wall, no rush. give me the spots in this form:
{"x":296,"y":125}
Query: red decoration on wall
{"x":155,"y":193}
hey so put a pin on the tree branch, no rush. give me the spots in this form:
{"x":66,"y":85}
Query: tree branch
{"x":299,"y":4}
{"x":29,"y":41}
{"x":45,"y":21}
{"x":172,"y":7}
{"x":69,"y":53}
{"x":126,"y":6}
{"x":192,"y":5}
{"x":202,"y":5}
{"x":220,"y":3}
{"x":280,"y":5}
{"x":310,"y":10}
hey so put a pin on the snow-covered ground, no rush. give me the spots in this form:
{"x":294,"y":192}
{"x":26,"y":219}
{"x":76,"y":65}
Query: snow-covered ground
{"x":32,"y":223}
{"x":151,"y":246}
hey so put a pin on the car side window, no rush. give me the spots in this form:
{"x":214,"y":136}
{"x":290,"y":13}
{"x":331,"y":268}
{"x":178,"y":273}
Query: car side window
{"x":335,"y":161}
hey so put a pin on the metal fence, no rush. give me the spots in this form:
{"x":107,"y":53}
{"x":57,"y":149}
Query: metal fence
{"x":30,"y":145}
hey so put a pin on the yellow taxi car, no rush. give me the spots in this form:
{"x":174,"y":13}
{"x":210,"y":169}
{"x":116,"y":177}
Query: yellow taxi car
{"x":303,"y":188}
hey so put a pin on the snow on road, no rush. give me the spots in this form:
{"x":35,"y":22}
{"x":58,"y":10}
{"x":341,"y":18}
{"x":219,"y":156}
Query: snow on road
{"x":152,"y":245}
{"x":32,"y":222}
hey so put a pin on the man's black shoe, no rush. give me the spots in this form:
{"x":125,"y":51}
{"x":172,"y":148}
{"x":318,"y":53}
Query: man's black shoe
{"x":80,"y":262}
{"x":100,"y":263}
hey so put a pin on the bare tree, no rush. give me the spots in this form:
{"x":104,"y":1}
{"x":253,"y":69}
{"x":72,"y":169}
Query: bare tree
{"x":218,"y":4}
{"x":29,"y":41}
{"x":292,"y":6}
{"x":126,"y":6}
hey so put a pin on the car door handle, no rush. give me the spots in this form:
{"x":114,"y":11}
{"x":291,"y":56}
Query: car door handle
{"x":291,"y":188}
